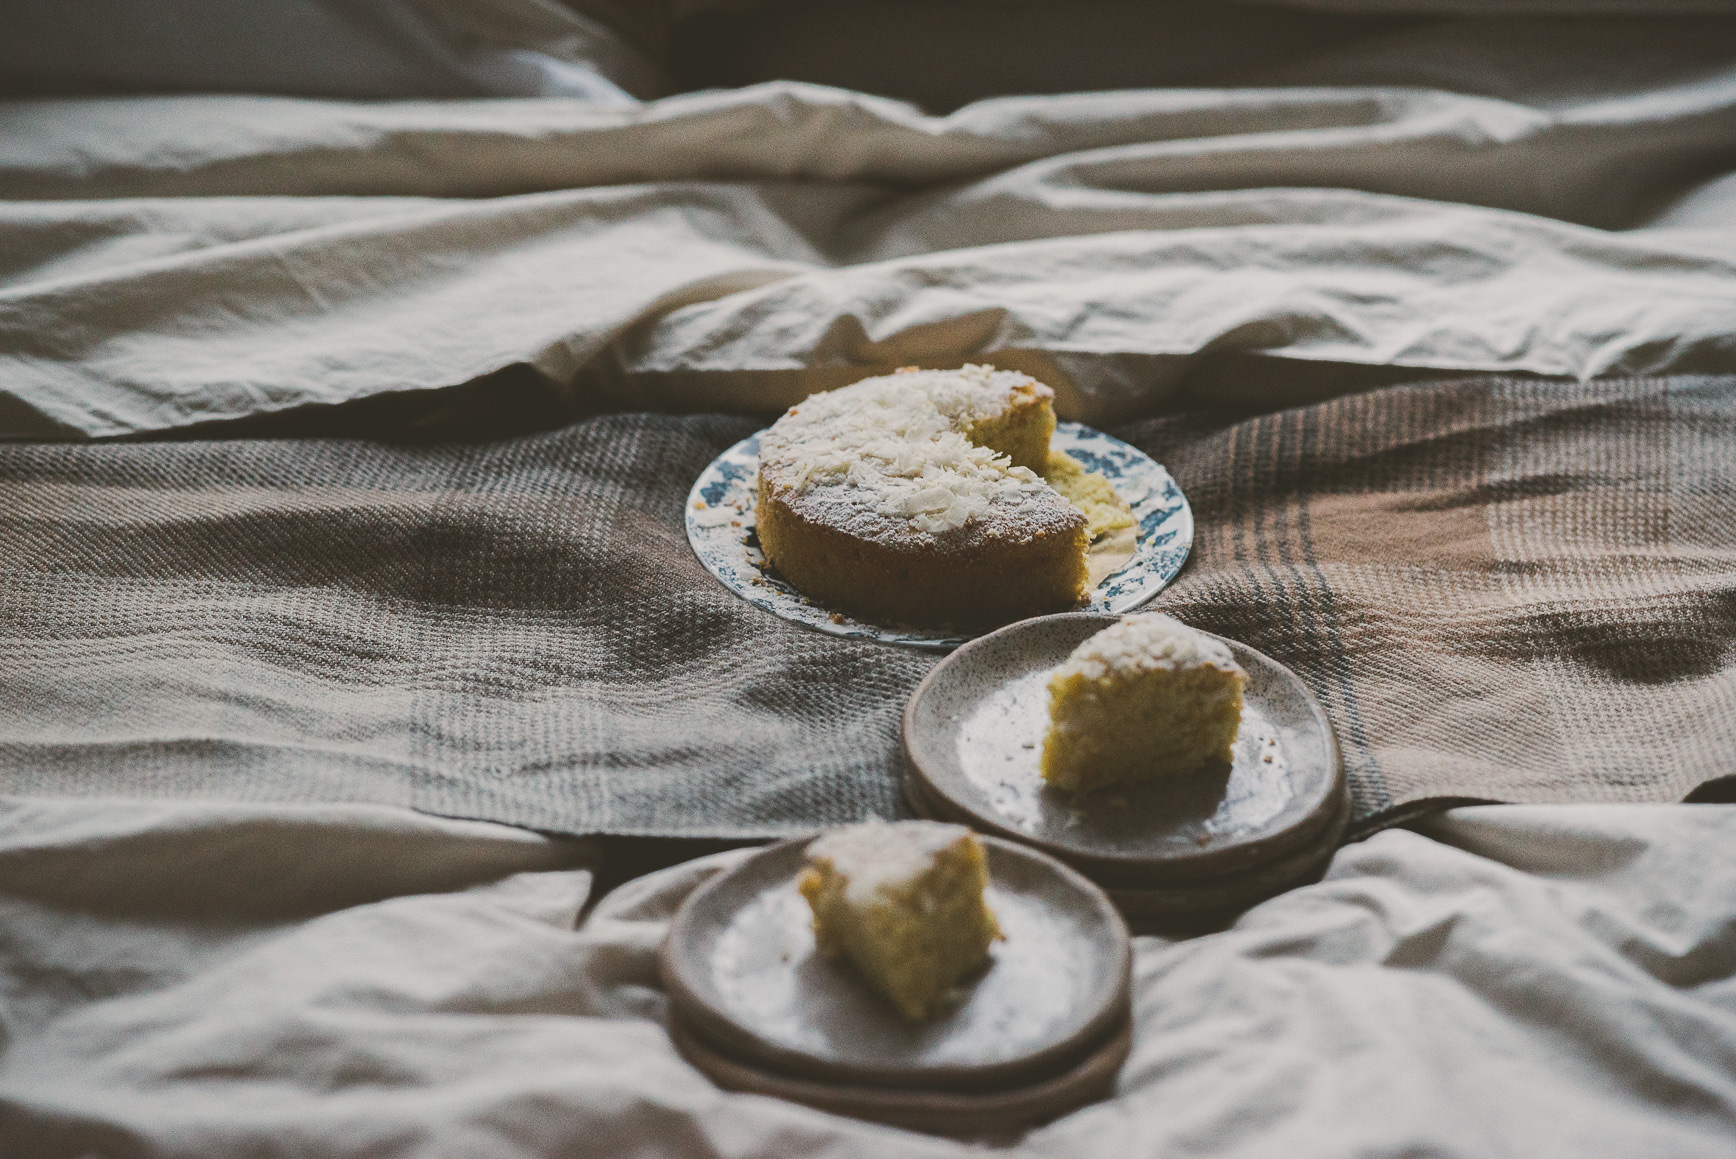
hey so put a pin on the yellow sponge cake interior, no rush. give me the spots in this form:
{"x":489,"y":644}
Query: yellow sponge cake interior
{"x":903,"y":902}
{"x":1146,"y":697}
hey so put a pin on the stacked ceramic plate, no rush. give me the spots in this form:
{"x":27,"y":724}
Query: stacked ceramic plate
{"x":1043,"y":1029}
{"x":1183,"y":853}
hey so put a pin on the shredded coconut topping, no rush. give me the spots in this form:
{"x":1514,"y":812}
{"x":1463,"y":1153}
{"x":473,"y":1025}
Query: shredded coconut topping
{"x":898,"y":442}
{"x":877,"y":854}
{"x":1149,"y":640}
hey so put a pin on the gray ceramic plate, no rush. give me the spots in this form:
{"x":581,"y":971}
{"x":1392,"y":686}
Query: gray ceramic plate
{"x":741,"y":968}
{"x":989,"y":1115}
{"x":720,"y":528}
{"x":1197,"y":905}
{"x":974,"y":730}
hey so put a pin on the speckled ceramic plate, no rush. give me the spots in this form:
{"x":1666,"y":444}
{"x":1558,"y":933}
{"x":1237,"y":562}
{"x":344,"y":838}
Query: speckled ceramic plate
{"x":995,"y":1115}
{"x":1196,"y":905}
{"x":741,"y":968}
{"x":720,"y":526}
{"x":974,"y":731}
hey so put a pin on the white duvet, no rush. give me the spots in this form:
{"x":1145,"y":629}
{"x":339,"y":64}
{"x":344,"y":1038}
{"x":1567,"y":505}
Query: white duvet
{"x":1494,"y":194}
{"x":223,"y":980}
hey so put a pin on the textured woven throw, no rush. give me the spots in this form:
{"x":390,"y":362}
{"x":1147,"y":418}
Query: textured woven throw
{"x":1501,"y":590}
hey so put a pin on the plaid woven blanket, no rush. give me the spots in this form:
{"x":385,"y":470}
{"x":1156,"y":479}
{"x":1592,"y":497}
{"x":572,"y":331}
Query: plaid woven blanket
{"x":1501,"y":590}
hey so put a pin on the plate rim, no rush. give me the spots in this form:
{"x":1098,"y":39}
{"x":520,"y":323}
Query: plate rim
{"x":911,"y":636}
{"x":964,"y":1114}
{"x":761,"y":1052}
{"x":1133,"y":871}
{"x":1187,"y":908}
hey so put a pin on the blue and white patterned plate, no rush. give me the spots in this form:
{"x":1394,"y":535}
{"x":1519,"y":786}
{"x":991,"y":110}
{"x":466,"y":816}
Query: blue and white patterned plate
{"x":720,"y":526}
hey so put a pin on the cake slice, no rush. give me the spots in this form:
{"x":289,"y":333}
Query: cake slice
{"x":903,"y":902}
{"x":1146,"y":697}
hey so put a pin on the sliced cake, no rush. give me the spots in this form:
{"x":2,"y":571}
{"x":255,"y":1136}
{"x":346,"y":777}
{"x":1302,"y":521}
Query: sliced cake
{"x":917,"y":497}
{"x":1146,"y":697}
{"x":903,"y":903}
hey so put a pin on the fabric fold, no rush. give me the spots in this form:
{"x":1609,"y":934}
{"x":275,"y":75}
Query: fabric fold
{"x":1520,"y":981}
{"x":178,"y":260}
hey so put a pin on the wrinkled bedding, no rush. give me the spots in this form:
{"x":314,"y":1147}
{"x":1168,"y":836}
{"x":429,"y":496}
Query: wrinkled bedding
{"x":200,"y":958}
{"x":1485,"y":195}
{"x":215,"y":980}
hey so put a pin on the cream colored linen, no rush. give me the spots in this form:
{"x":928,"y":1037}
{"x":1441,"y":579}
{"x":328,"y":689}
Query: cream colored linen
{"x":1471,"y":195}
{"x":213,"y":980}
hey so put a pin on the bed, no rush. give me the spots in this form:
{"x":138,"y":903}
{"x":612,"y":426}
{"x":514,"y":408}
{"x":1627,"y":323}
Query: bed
{"x":354,"y":669}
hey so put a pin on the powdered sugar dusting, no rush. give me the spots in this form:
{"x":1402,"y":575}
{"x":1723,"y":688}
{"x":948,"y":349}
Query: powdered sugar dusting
{"x":877,"y":854}
{"x":895,"y":446}
{"x":1151,"y":640}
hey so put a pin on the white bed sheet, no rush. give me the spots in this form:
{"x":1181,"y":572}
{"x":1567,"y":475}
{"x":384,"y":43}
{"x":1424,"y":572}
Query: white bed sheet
{"x":223,"y":979}
{"x":1475,"y":195}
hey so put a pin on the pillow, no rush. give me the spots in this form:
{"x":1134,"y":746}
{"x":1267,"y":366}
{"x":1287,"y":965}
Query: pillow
{"x":336,"y":48}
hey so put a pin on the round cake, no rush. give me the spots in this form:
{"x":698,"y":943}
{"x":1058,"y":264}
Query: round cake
{"x":915,"y":497}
